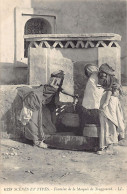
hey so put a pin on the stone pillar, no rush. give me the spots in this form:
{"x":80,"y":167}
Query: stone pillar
{"x":37,"y":66}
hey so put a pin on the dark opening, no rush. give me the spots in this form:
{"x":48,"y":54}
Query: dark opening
{"x":35,"y":26}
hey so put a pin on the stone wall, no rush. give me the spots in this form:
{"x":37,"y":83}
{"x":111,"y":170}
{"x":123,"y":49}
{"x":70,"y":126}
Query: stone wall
{"x":13,"y":75}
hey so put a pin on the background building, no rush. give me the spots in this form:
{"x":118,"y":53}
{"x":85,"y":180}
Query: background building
{"x":56,"y":16}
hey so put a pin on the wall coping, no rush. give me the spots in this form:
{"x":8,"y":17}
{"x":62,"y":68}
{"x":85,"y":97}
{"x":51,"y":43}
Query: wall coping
{"x":21,"y":85}
{"x":59,"y":37}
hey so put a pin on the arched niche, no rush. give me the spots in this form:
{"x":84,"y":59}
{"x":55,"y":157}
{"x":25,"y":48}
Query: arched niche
{"x":35,"y":26}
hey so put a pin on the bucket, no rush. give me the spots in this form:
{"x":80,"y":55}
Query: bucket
{"x":91,"y":130}
{"x":70,"y":120}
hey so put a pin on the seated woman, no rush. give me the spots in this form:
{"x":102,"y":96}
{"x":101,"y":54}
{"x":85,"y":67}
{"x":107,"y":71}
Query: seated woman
{"x":39,"y":105}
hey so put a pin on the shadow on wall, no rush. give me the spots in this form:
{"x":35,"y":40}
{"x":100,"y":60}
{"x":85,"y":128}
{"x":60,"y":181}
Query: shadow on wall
{"x":11,"y":75}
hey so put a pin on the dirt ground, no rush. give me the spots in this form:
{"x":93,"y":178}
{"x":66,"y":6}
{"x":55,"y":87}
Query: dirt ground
{"x":24,"y":164}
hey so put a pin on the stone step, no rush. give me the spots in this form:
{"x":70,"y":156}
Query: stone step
{"x":63,"y":140}
{"x":71,"y":142}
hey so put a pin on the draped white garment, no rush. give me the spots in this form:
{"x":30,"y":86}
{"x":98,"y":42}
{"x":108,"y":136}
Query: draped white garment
{"x":92,"y":93}
{"x":114,"y":113}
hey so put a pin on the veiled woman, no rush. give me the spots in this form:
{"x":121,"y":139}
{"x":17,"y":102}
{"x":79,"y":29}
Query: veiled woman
{"x":39,"y":105}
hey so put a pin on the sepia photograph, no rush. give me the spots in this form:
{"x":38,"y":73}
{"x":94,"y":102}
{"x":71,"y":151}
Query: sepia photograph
{"x":63,"y":96}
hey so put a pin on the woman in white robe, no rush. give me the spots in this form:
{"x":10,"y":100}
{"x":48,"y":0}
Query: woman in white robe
{"x":112,"y":127}
{"x":101,"y":93}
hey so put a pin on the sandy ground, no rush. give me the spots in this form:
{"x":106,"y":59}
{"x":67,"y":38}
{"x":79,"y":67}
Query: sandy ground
{"x":23,"y":164}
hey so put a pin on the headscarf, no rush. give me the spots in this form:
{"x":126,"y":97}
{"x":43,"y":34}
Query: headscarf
{"x":58,"y":75}
{"x":106,"y":74}
{"x":107,"y":69}
{"x":89,"y":69}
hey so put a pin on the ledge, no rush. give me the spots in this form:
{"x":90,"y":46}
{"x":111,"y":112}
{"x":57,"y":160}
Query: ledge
{"x":66,"y":37}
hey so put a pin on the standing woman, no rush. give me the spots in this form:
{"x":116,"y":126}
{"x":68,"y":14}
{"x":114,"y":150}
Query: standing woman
{"x":101,"y":98}
{"x":111,"y":114}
